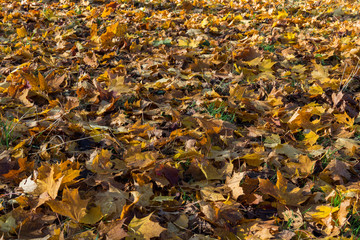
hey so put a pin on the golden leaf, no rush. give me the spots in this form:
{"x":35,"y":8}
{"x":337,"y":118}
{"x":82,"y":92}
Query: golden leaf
{"x":345,"y":119}
{"x":21,"y":32}
{"x":253,"y":159}
{"x":323,"y":211}
{"x":144,"y":228}
{"x":279,"y":191}
{"x":71,"y":205}
{"x":315,"y":90}
{"x":99,"y":162}
{"x":50,"y":184}
{"x":311,"y":138}
{"x":92,"y":216}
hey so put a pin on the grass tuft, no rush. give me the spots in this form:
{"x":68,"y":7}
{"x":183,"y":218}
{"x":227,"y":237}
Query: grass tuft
{"x":6,"y":133}
{"x":220,"y":112}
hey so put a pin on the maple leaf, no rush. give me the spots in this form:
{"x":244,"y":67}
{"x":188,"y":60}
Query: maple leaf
{"x":294,"y":218}
{"x":134,"y":80}
{"x":311,"y":138}
{"x":302,"y":168}
{"x":253,"y":159}
{"x":324,"y":215}
{"x":113,"y":230}
{"x":50,"y":184}
{"x":143,"y":194}
{"x":212,"y":172}
{"x":92,"y":216}
{"x":21,"y":32}
{"x":23,"y":166}
{"x":99,"y":162}
{"x":345,"y":119}
{"x":279,"y":191}
{"x":144,"y":228}
{"x":71,"y":205}
{"x":141,"y":160}
{"x":209,"y":193}
{"x":111,"y":202}
{"x":234,"y":183}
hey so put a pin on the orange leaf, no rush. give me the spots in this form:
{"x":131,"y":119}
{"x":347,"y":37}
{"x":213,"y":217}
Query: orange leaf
{"x":23,"y":166}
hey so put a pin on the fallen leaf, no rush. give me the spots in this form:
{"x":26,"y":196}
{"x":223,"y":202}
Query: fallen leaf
{"x":71,"y":205}
{"x":50,"y":184}
{"x":234,"y":184}
{"x":280,"y":191}
{"x":144,"y":228}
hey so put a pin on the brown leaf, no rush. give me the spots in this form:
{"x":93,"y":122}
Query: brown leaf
{"x":113,"y":230}
{"x":337,"y":170}
{"x":5,"y":162}
{"x":343,"y":212}
{"x":23,"y":166}
{"x":91,"y":60}
{"x":111,"y":202}
{"x":171,"y":174}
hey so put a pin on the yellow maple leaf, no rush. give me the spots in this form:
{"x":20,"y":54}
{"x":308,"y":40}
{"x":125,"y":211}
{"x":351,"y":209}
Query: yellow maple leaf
{"x":183,"y":43}
{"x":99,"y":162}
{"x":118,"y":85}
{"x":302,"y":168}
{"x":344,"y":118}
{"x":37,"y":83}
{"x":290,"y":36}
{"x":107,"y":11}
{"x":204,"y":22}
{"x":323,"y":211}
{"x":311,"y":138}
{"x":50,"y":184}
{"x":254,"y":62}
{"x":253,"y":159}
{"x":21,"y":32}
{"x":144,"y":228}
{"x":315,"y":90}
{"x":92,"y":216}
{"x":117,"y":28}
{"x":320,"y":73}
{"x":282,"y":14}
{"x":71,"y":205}
{"x":266,"y":65}
{"x":209,"y":194}
{"x":279,"y":191}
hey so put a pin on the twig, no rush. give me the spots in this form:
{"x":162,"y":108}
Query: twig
{"x":351,"y":76}
{"x":63,"y":143}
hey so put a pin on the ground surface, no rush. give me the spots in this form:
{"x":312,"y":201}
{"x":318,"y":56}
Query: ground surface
{"x":179,"y":119}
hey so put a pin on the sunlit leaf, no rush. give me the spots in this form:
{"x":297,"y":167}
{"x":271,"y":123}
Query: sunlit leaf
{"x":279,"y":191}
{"x":144,"y":227}
{"x":71,"y":205}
